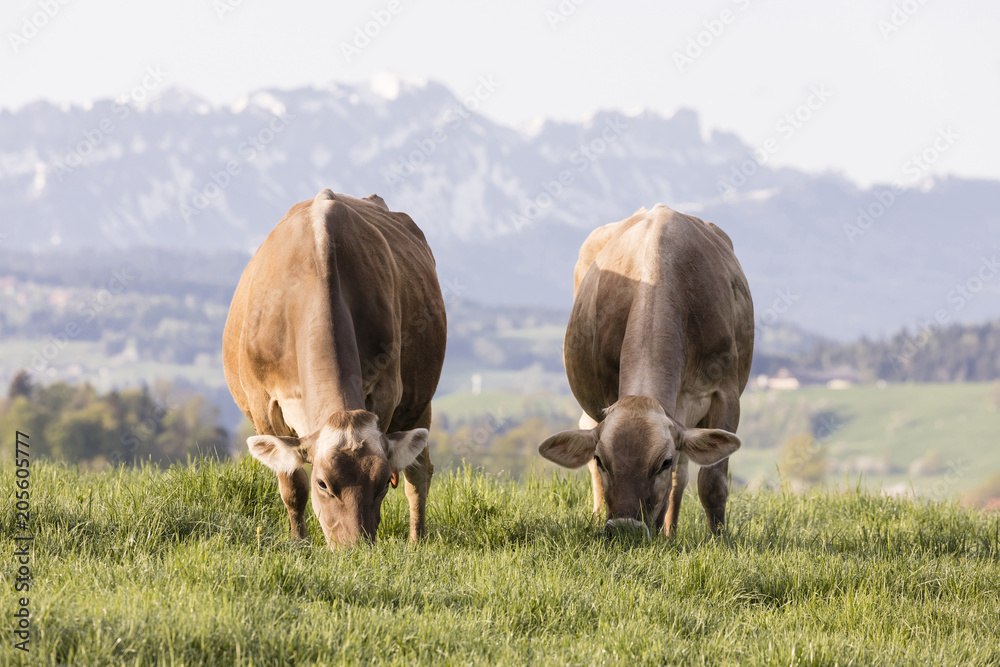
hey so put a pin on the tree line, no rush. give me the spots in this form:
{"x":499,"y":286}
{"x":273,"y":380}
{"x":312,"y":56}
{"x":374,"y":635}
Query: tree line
{"x":957,"y":353}
{"x":76,"y":423}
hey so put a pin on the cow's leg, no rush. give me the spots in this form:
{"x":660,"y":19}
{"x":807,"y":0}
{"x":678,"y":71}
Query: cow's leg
{"x":713,"y":489}
{"x":713,"y":481}
{"x":597,"y":485}
{"x":294,"y":487}
{"x":417,"y":480}
{"x":679,"y":483}
{"x":295,"y":494}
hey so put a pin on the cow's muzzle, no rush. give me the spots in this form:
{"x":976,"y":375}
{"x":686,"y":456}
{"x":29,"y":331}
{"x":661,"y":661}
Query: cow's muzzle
{"x":626,"y":528}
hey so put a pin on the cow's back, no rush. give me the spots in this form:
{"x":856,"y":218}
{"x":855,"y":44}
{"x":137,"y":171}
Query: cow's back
{"x":341,"y":291}
{"x":401,"y":365}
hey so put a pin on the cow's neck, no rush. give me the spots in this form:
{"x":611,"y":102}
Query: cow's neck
{"x":653,"y":351}
{"x":328,"y":360}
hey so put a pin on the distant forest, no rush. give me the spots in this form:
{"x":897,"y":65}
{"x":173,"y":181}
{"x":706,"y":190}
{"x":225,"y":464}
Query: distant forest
{"x":160,"y":425}
{"x":126,"y":320}
{"x":74,"y":423}
{"x":956,"y":353}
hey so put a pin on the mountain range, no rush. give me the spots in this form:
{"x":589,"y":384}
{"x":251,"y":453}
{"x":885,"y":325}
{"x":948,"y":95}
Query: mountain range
{"x":505,"y":209}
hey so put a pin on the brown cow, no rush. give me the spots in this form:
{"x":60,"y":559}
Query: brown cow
{"x":333,"y":348}
{"x":657,"y":353}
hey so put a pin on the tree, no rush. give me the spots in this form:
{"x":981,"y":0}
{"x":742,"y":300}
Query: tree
{"x":88,"y":434}
{"x":76,"y":424}
{"x":21,"y":385}
{"x":803,"y":459}
{"x":23,"y":414}
{"x":516,"y":449}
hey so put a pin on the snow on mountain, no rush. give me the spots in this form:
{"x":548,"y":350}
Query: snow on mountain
{"x":505,"y":209}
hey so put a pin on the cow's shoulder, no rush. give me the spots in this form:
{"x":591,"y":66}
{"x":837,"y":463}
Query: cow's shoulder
{"x":354,"y":220}
{"x":598,"y":240}
{"x":721,"y":234}
{"x":295,"y":262}
{"x":682,"y":227}
{"x":590,"y":249}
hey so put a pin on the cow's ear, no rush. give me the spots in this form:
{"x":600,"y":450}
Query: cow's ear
{"x":707,"y":446}
{"x":404,"y":447}
{"x":570,"y":449}
{"x":280,"y":454}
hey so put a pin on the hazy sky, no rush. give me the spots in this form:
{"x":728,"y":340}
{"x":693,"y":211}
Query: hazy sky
{"x":890,"y":73}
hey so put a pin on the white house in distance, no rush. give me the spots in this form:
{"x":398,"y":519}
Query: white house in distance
{"x":837,"y":378}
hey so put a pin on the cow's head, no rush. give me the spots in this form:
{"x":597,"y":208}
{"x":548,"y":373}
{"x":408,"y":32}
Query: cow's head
{"x":636,"y":448}
{"x":353,"y":464}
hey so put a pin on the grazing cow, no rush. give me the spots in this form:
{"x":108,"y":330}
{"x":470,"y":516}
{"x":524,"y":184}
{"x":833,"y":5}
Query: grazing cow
{"x":657,"y":353}
{"x":333,"y":348}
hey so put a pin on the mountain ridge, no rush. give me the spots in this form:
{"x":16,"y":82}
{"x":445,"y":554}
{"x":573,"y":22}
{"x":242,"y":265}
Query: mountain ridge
{"x":505,"y":209}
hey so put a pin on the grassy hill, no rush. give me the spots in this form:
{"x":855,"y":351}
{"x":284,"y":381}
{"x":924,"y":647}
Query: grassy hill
{"x":511,"y":405}
{"x":879,"y":434}
{"x":191,"y":566}
{"x":870,"y":435}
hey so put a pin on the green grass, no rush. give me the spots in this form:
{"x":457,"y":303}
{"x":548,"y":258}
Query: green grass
{"x":165,"y":567}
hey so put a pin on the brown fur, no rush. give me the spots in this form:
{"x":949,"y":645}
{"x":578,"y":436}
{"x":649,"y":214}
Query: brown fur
{"x":351,"y":420}
{"x":659,"y":341}
{"x":337,"y":324}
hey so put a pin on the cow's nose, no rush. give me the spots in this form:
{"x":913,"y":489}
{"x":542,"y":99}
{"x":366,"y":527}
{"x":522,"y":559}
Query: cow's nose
{"x":626,"y":527}
{"x":347,"y":539}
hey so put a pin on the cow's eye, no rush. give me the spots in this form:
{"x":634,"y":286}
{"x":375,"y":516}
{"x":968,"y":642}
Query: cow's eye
{"x":321,"y":484}
{"x":597,"y":459}
{"x":666,"y":465}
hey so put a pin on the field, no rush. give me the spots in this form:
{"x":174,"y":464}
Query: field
{"x":192,"y":566}
{"x":870,"y":435}
{"x":877,"y":434}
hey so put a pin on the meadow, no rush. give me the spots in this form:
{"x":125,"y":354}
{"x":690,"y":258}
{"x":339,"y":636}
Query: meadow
{"x":192,"y":566}
{"x":935,"y":440}
{"x":878,"y":433}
